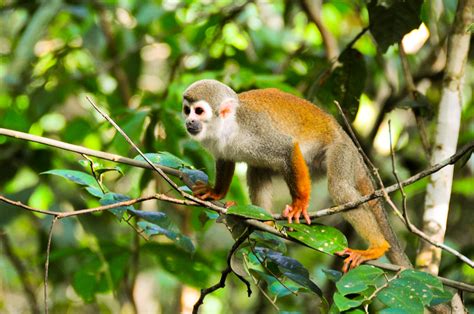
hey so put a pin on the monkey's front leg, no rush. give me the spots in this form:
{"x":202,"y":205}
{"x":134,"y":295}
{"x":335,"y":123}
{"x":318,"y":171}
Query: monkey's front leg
{"x":224,"y":172}
{"x":299,"y":182}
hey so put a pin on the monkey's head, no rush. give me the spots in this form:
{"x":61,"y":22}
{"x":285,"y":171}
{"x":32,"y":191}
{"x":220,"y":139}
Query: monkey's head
{"x":207,"y":104}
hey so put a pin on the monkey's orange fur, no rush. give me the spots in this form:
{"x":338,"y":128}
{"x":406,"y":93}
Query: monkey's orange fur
{"x":303,"y":188}
{"x":301,"y":119}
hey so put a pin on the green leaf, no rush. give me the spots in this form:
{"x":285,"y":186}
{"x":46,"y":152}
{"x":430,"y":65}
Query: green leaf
{"x":440,"y":297}
{"x":325,"y":239}
{"x":101,"y":170}
{"x":332,"y":275}
{"x":358,"y":279}
{"x":401,"y":299}
{"x":291,"y":268}
{"x":179,"y":239}
{"x":165,"y":159}
{"x":158,"y":218}
{"x":427,"y":287}
{"x":250,"y":211}
{"x":95,"y":192}
{"x":78,"y":177}
{"x":343,"y":303}
{"x":112,"y":198}
{"x":423,"y":277}
{"x":269,"y":240}
{"x":389,"y":23}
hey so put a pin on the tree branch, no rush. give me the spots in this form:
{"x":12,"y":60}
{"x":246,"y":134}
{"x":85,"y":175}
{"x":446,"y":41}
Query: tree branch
{"x":330,"y":43}
{"x":225,"y":273}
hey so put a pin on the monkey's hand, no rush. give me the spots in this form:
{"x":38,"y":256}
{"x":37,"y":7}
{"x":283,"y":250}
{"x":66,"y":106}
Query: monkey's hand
{"x":356,"y":257}
{"x":206,"y":192}
{"x":295,"y":210}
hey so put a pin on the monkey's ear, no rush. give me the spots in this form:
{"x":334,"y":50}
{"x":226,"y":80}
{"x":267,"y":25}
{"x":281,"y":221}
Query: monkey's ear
{"x":227,"y":107}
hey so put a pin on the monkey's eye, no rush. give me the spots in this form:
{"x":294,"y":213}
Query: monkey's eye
{"x":186,"y":110}
{"x":199,"y":111}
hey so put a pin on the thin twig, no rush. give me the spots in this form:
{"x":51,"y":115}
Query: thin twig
{"x":271,"y":272}
{"x":395,"y":174}
{"x":225,"y":273}
{"x":46,"y":265}
{"x":376,"y":291}
{"x":60,"y":215}
{"x":90,"y":152}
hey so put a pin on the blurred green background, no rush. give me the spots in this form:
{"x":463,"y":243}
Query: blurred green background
{"x":135,"y":58}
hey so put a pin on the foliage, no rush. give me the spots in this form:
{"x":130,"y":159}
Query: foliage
{"x":135,"y":58}
{"x":408,"y":291}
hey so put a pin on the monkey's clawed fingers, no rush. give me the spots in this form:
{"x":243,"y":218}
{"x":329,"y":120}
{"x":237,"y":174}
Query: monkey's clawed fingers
{"x":291,"y":211}
{"x":354,"y":258}
{"x":205,"y":191}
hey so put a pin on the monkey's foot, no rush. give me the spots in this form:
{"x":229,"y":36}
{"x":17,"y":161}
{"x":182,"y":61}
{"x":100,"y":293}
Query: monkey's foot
{"x":205,"y":192}
{"x":291,"y":211}
{"x":356,"y":257}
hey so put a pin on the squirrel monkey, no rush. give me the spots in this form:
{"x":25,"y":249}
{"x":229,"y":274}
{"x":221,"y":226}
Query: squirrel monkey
{"x":278,"y":133}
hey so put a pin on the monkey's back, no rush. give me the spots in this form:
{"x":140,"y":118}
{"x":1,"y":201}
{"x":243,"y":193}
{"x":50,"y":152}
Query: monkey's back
{"x":290,"y":115}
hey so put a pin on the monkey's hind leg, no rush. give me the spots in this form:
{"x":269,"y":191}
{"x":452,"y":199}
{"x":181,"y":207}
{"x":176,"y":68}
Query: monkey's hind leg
{"x":259,"y":181}
{"x":343,"y":163}
{"x":299,"y":182}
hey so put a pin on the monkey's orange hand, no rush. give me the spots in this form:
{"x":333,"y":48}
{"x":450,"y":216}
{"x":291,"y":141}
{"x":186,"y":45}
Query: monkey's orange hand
{"x":205,"y":192}
{"x":356,"y":257}
{"x":295,"y":210}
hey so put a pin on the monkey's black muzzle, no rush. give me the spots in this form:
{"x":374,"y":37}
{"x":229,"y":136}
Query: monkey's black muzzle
{"x":193,"y":127}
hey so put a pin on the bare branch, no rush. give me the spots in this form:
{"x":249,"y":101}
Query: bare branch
{"x":225,"y":273}
{"x":311,"y":9}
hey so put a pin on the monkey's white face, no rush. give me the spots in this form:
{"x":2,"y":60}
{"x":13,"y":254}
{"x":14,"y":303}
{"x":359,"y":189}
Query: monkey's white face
{"x":198,"y":116}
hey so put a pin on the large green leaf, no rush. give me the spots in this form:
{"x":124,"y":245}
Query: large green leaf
{"x":181,"y":240}
{"x":250,"y":211}
{"x":322,"y":238}
{"x":358,"y":279}
{"x":391,"y":20}
{"x":343,"y":303}
{"x":400,"y":298}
